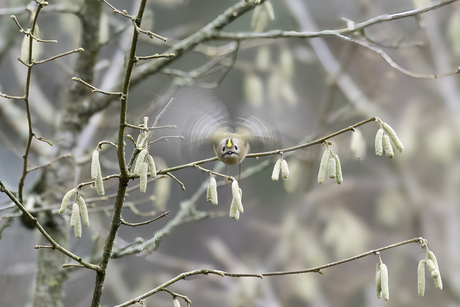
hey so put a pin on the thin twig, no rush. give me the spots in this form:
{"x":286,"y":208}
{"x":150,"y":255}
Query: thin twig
{"x":318,"y":269}
{"x":224,"y":274}
{"x":273,"y":152}
{"x":115,"y":10}
{"x":212,"y":172}
{"x":49,"y":163}
{"x":156,"y":56}
{"x":159,"y":116}
{"x":149,"y":33}
{"x":178,"y":181}
{"x":356,"y":27}
{"x":386,"y":57}
{"x":146,"y":222}
{"x":95,"y":89}
{"x":174,"y":295}
{"x":7,"y":207}
{"x":165,"y":138}
{"x":59,"y":56}
{"x":43,"y":247}
{"x":70,"y":265}
{"x":11,"y":97}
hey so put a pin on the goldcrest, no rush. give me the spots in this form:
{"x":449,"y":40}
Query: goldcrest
{"x":207,"y":123}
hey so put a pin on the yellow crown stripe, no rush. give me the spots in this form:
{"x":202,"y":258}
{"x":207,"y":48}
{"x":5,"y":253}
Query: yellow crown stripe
{"x":229,"y":143}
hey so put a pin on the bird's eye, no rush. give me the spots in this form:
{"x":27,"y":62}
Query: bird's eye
{"x":236,"y":147}
{"x":223,"y":149}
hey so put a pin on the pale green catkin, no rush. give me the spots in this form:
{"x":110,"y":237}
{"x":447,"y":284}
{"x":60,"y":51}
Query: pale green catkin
{"x":438,"y":282}
{"x":323,"y":166}
{"x":276,"y":170}
{"x":83,"y":210}
{"x":234,"y":212}
{"x":140,"y":161}
{"x":75,"y":217}
{"x":152,"y":167}
{"x":284,"y":169}
{"x":331,"y":168}
{"x":384,"y":281}
{"x":143,"y":177}
{"x":432,"y":256}
{"x":421,"y":278}
{"x":212,"y":191}
{"x":431,"y":266}
{"x":176,"y":303}
{"x":393,"y":136}
{"x":387,"y":146}
{"x":338,"y":169}
{"x":358,"y":144}
{"x":379,"y":142}
{"x":236,"y":193}
{"x":436,"y":274}
{"x":208,"y":191}
{"x":66,"y":198}
{"x":139,"y":140}
{"x":77,"y":229}
{"x":99,"y":185}
{"x":96,"y":173}
{"x":378,"y":281}
{"x":95,"y":165}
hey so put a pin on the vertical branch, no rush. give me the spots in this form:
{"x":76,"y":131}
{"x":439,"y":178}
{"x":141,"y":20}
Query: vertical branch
{"x":26,"y":101}
{"x":124,"y":174}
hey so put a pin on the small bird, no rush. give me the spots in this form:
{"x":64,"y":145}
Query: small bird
{"x":207,"y":122}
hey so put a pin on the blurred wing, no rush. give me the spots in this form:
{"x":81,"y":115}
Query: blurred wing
{"x":257,"y":131}
{"x":201,"y":118}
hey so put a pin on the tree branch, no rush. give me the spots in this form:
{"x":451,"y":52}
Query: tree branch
{"x":317,"y":269}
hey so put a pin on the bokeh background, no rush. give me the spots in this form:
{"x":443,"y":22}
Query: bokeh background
{"x":305,"y":88}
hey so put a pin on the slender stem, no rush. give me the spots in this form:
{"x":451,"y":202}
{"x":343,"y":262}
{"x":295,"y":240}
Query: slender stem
{"x":29,"y":116}
{"x":371,"y":252}
{"x":124,"y":173}
{"x":318,"y":269}
{"x":273,"y":152}
{"x":146,"y":222}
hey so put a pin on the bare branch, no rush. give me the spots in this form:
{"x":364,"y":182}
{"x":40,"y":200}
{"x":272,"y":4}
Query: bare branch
{"x":318,"y":269}
{"x":146,"y":222}
{"x":59,"y":56}
{"x":49,"y":163}
{"x":178,"y":181}
{"x":155,"y":56}
{"x":95,"y":89}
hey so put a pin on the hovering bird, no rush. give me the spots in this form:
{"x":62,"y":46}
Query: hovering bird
{"x":208,"y":125}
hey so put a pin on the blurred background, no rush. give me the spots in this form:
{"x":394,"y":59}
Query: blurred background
{"x":306,"y":88}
